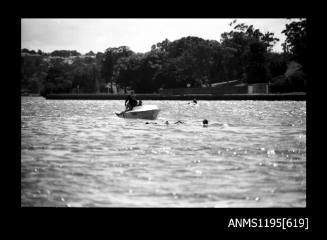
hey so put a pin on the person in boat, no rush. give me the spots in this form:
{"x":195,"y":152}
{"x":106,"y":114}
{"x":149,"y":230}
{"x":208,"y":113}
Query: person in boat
{"x":130,"y":102}
{"x":193,"y":101}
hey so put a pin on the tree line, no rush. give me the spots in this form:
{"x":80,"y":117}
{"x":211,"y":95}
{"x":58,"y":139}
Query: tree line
{"x":244,"y":53}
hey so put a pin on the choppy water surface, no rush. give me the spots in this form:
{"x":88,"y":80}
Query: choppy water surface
{"x":79,"y":154}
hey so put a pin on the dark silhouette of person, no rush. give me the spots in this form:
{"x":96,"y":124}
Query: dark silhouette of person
{"x":130,"y":103}
{"x":194,"y":101}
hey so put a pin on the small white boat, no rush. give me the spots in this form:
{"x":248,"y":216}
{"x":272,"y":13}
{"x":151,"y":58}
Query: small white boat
{"x":144,"y":112}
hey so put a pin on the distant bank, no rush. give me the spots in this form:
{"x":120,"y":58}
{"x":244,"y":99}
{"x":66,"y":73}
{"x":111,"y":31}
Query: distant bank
{"x":272,"y":97}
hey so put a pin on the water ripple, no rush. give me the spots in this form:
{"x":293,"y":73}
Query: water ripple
{"x":79,"y":154}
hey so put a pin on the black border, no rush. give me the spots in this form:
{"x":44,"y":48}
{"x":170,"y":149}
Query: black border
{"x":196,"y":222}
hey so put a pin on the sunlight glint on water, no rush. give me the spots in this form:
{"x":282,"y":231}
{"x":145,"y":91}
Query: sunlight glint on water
{"x":78,"y":153}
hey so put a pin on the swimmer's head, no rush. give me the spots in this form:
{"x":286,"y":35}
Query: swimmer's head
{"x":205,"y":123}
{"x":166,"y":122}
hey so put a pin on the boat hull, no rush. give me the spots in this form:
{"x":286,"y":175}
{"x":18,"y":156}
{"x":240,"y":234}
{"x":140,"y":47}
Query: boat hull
{"x":142,"y":112}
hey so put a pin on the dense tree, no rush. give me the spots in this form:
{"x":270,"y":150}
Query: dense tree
{"x":90,"y":53}
{"x":244,"y":53}
{"x":248,"y":49}
{"x":255,"y":67}
{"x":39,"y":52}
{"x":33,"y":72}
{"x":166,"y":76}
{"x":25,"y":50}
{"x":84,"y":75}
{"x":296,"y":41}
{"x":63,"y":77}
{"x":65,"y":53}
{"x":193,"y":61}
{"x":110,"y":58}
{"x":59,"y":78}
{"x":138,"y":71}
{"x":277,"y":64}
{"x":294,"y":77}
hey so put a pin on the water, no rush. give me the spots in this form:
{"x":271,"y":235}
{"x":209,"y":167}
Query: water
{"x":79,"y":154}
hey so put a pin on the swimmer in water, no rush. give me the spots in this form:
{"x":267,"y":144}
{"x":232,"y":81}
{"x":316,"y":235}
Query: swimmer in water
{"x":167,"y":123}
{"x":179,"y":122}
{"x":151,"y":123}
{"x":205,"y":123}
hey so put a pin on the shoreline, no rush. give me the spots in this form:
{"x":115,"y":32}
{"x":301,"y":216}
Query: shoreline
{"x":266,"y":97}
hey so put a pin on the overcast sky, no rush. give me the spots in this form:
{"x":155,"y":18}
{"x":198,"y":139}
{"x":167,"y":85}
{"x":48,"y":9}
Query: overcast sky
{"x":97,"y":35}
